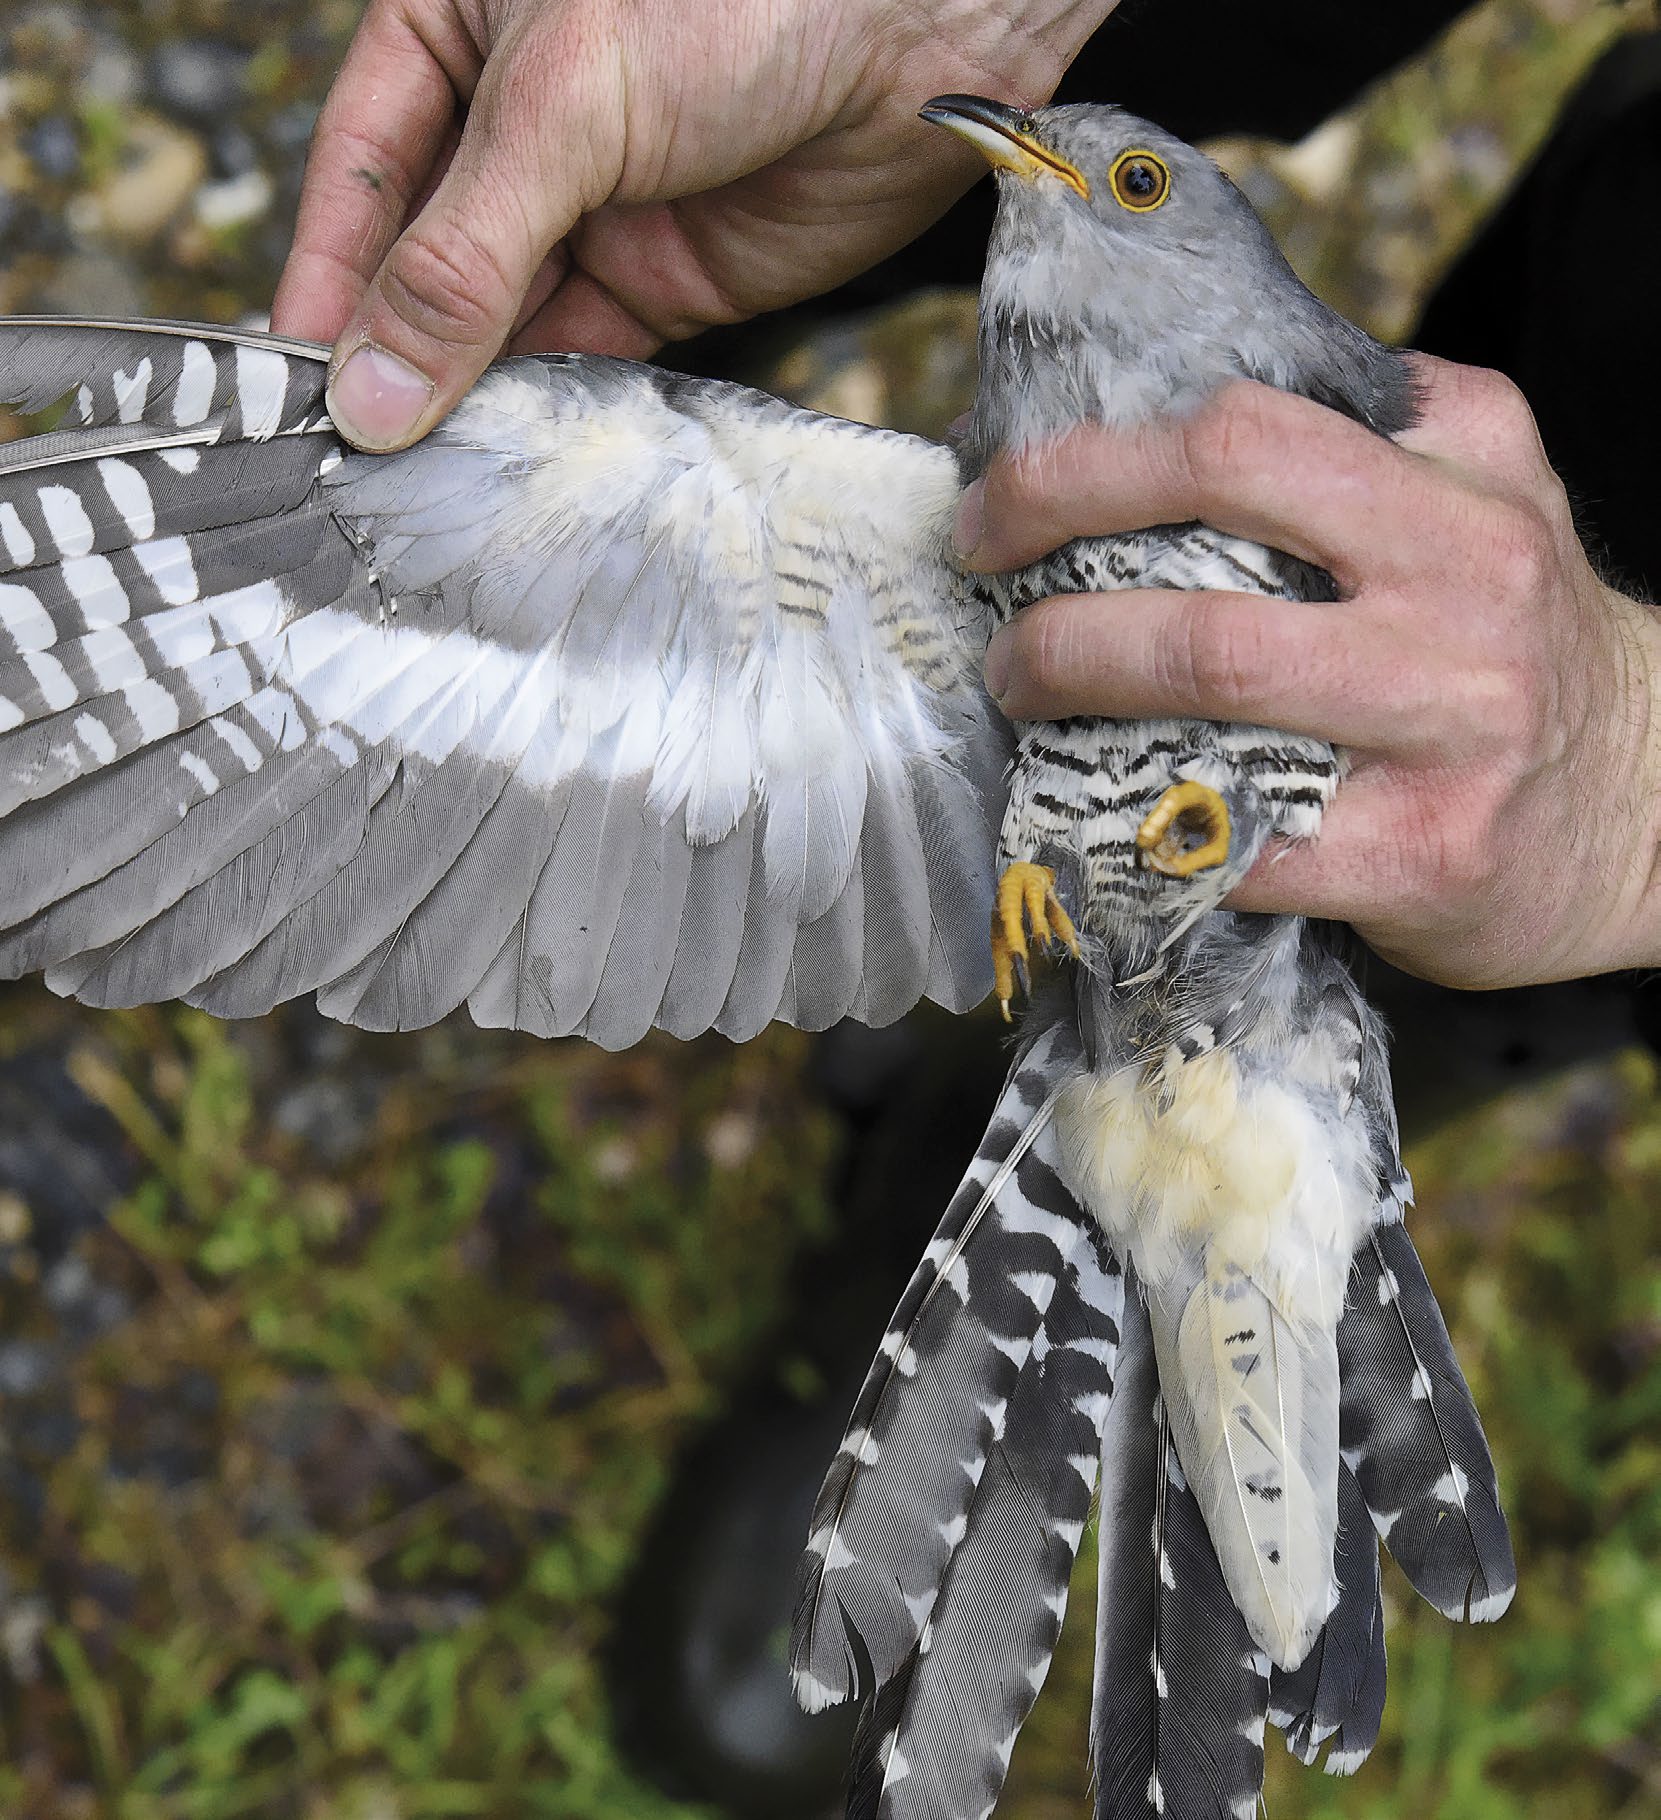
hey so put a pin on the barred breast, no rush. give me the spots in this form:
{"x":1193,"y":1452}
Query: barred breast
{"x":1081,"y":788}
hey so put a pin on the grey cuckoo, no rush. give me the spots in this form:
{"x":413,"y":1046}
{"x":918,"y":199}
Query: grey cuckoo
{"x":629,"y":700}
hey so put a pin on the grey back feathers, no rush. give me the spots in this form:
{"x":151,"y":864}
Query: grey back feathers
{"x":622,"y":700}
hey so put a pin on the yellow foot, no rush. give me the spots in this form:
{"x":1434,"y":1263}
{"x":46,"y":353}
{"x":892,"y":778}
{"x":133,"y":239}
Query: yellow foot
{"x":1026,"y":899}
{"x":1186,"y":832}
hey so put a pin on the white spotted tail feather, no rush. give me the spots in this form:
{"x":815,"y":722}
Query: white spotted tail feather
{"x":1181,"y":1689}
{"x":1334,"y":1699}
{"x":623,"y":699}
{"x":1412,"y":1436}
{"x":943,"y":1540}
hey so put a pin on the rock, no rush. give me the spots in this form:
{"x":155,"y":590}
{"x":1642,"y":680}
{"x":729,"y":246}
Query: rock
{"x":160,"y":170}
{"x":236,"y":200}
{"x":113,"y":74}
{"x":54,"y":148}
{"x":234,"y":151}
{"x":95,"y":282}
{"x":200,"y":81}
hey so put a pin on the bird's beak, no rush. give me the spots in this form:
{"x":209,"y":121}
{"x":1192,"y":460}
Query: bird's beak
{"x":1003,"y":135}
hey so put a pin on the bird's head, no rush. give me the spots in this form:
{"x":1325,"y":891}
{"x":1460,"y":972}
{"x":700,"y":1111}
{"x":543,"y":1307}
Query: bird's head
{"x":1127,"y":277}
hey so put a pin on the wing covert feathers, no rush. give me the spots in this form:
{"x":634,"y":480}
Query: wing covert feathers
{"x":624,"y":699}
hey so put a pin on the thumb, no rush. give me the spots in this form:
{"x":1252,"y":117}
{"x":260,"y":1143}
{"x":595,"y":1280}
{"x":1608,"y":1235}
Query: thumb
{"x":449,"y":291}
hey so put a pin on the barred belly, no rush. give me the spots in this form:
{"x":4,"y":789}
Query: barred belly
{"x":1081,"y":788}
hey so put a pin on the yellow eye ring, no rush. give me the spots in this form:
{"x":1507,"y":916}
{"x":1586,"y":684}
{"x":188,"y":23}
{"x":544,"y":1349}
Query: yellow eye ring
{"x":1141,"y":180}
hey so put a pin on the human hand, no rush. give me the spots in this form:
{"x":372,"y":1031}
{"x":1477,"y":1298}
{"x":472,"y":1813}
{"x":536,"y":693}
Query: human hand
{"x":611,"y":174}
{"x":1499,"y":822}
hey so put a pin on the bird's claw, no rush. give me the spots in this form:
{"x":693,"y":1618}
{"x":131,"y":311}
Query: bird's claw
{"x":1026,"y":901}
{"x":1187,"y":831}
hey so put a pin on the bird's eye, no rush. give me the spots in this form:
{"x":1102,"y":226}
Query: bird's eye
{"x":1026,"y":125}
{"x":1141,"y":180}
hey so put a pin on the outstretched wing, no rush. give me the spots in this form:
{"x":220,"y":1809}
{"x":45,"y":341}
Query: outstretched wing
{"x":623,"y":699}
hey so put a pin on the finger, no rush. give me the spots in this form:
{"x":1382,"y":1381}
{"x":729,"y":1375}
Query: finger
{"x":450,"y":290}
{"x":1395,"y":858}
{"x":1255,"y":462}
{"x":1474,"y":418}
{"x":581,"y":313}
{"x":1334,"y":671}
{"x":546,"y":279}
{"x":1353,"y":872}
{"x":381,"y":130}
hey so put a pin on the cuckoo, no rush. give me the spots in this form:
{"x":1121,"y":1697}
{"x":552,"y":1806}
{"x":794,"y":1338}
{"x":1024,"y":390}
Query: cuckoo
{"x":627,"y":699}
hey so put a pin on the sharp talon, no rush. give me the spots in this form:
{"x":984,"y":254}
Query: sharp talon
{"x":1186,"y":832}
{"x":1026,"y":900}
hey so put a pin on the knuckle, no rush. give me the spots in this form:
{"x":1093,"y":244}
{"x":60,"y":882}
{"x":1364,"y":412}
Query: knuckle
{"x":1456,"y":858}
{"x":1517,"y":706}
{"x":1049,"y":650}
{"x":450,"y":284}
{"x":1494,"y":422}
{"x":1497,"y":404}
{"x":1234,"y":429}
{"x":1219,"y":660}
{"x":1520,"y":551}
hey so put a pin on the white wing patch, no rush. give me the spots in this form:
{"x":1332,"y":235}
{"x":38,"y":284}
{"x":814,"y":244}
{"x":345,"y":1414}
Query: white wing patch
{"x":647,"y":699}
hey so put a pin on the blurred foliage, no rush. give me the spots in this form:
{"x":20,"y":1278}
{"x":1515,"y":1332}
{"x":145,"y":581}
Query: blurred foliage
{"x":329,"y":1522}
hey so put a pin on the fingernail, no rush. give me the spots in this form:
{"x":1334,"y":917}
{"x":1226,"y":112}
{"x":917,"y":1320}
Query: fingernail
{"x":377,"y":399}
{"x":969,"y":521}
{"x":997,"y":665}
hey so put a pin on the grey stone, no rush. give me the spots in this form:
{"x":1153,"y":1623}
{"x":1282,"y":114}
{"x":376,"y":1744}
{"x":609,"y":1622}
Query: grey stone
{"x":54,"y":148}
{"x":203,"y":82}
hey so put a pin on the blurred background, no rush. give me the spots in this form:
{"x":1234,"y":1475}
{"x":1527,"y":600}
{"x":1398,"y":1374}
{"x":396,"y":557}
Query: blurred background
{"x":404,"y":1428}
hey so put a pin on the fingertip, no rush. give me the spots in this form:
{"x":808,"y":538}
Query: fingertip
{"x":998,"y":664}
{"x":379,"y":401}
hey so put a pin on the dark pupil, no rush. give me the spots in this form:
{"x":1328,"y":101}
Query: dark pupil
{"x":1140,"y":180}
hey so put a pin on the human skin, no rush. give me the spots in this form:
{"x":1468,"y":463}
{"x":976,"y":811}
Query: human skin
{"x":1500,"y":820}
{"x":613,"y":174}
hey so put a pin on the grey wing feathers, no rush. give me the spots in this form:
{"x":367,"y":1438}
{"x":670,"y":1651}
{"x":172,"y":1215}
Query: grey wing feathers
{"x":622,"y":700}
{"x":1181,"y":1690}
{"x":1410,"y":1433}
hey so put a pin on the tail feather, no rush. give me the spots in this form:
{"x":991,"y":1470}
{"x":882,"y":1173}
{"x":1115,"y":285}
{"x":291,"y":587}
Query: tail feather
{"x":1253,"y":1405}
{"x":1411,"y":1435}
{"x":1335,"y":1697}
{"x":968,"y":1334}
{"x":1181,"y":1690}
{"x":937,"y":1740}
